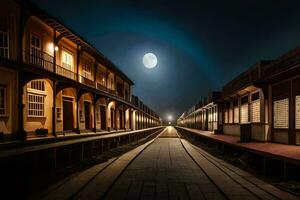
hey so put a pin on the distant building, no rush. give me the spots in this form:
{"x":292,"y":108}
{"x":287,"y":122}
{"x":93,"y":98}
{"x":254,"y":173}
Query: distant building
{"x":51,"y":78}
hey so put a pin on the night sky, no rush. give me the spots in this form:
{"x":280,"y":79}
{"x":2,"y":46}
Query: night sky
{"x":200,"y":45}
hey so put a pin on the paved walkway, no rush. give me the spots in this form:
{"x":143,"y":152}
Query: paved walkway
{"x":286,"y":152}
{"x":167,"y":168}
{"x":164,"y":171}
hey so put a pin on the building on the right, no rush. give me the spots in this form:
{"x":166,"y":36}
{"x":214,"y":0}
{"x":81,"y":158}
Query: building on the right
{"x":245,"y":102}
{"x":263,"y":101}
{"x":267,"y":98}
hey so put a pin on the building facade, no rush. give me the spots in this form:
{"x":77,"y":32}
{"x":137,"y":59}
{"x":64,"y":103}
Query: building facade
{"x":266,"y":98}
{"x":52,"y":79}
{"x":206,"y":115}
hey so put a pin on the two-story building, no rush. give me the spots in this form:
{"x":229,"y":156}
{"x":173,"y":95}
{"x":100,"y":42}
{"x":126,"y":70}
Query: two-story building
{"x":51,"y":78}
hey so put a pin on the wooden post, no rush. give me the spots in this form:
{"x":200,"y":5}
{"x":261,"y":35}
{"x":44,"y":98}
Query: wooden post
{"x":77,"y":110}
{"x":53,"y":110}
{"x":21,"y":107}
{"x":78,"y":61}
{"x":54,"y":52}
{"x":95,"y":124}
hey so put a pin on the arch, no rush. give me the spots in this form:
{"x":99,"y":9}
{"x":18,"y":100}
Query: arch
{"x":37,"y":99}
{"x":110,"y":113}
{"x":120,"y":116}
{"x":65,"y":110}
{"x":134,"y":119}
{"x":128,"y":117}
{"x":100,"y":112}
{"x":86,"y":111}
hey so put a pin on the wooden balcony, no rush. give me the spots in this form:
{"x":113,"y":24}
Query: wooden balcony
{"x":86,"y":81}
{"x":39,"y":59}
{"x":65,"y":72}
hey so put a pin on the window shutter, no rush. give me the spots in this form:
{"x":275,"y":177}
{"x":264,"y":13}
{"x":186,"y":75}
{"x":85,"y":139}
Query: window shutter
{"x":236,"y":114}
{"x":255,"y":111}
{"x":297,"y":112}
{"x":244,"y":113}
{"x":281,"y":113}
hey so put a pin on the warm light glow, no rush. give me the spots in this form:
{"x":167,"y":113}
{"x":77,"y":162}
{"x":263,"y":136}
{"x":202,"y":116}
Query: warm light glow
{"x":52,"y":47}
{"x":170,"y":117}
{"x":149,"y":60}
{"x":169,"y":122}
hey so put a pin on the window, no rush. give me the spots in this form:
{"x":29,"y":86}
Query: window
{"x":37,"y":85}
{"x":87,"y":71}
{"x":4,"y":46}
{"x":236,"y":114}
{"x":230,"y":114}
{"x":36,"y":98}
{"x":244,"y":113}
{"x":209,"y":115}
{"x":281,"y":113}
{"x":255,"y":107}
{"x":36,"y":105}
{"x":244,"y":110}
{"x":67,"y":60}
{"x":3,"y":111}
{"x":226,"y":116}
{"x":35,"y":50}
{"x":102,"y":77}
{"x":297,"y":112}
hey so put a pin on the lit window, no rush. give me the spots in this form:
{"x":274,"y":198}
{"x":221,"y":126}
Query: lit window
{"x":36,"y":98}
{"x":87,"y":71}
{"x":281,"y":113}
{"x":3,"y":97}
{"x":37,"y":85}
{"x":255,"y":107}
{"x":297,"y":113}
{"x":102,"y":77}
{"x":230,"y":115}
{"x":4,"y":39}
{"x":244,"y":113}
{"x":67,"y":60}
{"x":236,"y":114}
{"x":244,"y":109}
{"x":226,"y":116}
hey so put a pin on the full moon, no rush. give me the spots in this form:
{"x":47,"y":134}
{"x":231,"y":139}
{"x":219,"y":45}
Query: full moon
{"x":149,"y":60}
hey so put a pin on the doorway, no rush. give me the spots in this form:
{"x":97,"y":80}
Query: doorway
{"x":112,"y":118}
{"x":103,"y":117}
{"x":67,"y":115}
{"x":120,"y":119}
{"x":87,"y":107}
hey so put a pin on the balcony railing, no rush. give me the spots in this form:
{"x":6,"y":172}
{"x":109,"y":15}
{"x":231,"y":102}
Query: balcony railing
{"x":65,"y":72}
{"x":101,"y":87}
{"x":113,"y":92}
{"x":45,"y":61}
{"x":86,"y":81}
{"x":39,"y":59}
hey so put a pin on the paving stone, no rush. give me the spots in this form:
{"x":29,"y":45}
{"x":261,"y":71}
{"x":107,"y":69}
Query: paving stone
{"x":165,"y":170}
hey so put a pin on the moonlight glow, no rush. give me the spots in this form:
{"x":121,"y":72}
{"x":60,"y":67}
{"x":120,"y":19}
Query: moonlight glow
{"x":149,"y":60}
{"x":170,"y":117}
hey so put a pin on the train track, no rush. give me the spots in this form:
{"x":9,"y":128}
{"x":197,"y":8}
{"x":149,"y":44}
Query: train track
{"x":100,"y":181}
